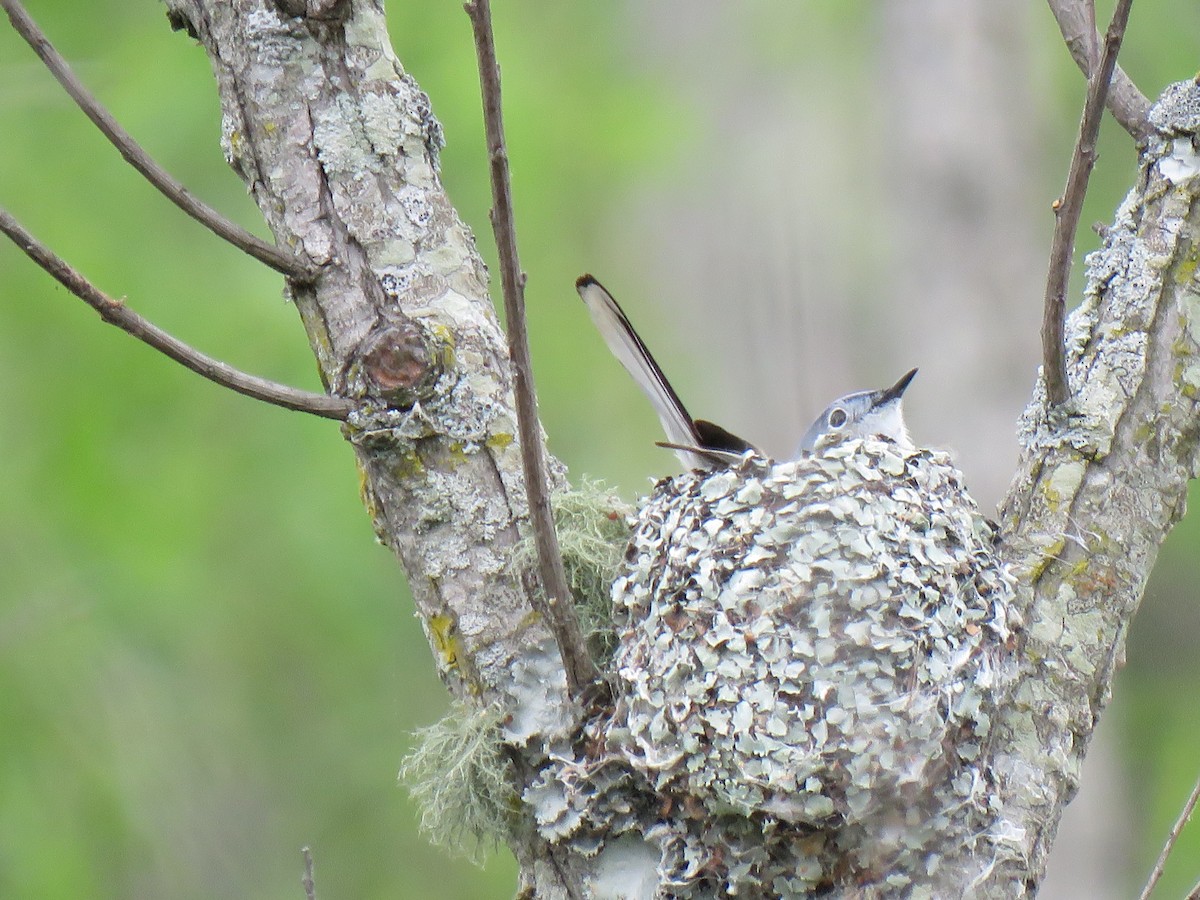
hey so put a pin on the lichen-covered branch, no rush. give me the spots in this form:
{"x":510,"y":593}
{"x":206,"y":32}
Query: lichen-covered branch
{"x":1097,"y":491}
{"x":339,"y":148}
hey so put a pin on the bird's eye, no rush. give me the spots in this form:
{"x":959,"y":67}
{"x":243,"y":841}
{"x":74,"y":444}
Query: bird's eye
{"x":837,"y":417}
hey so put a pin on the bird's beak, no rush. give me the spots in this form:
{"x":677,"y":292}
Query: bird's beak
{"x":896,"y":391}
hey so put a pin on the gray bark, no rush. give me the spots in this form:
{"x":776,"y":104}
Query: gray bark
{"x":1097,"y":489}
{"x":339,"y":149}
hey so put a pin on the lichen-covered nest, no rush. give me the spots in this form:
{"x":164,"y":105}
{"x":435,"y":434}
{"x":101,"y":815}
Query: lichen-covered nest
{"x":821,"y":640}
{"x":808,"y":660}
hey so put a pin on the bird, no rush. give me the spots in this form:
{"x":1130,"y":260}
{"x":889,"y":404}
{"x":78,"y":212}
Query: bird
{"x":701,"y":444}
{"x":862,"y":414}
{"x":808,"y":658}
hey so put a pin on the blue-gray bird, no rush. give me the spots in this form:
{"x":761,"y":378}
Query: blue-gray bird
{"x":862,"y":414}
{"x":700,"y":444}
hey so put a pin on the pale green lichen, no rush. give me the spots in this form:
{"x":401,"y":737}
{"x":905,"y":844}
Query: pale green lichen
{"x":458,"y":775}
{"x":1063,"y":483}
{"x":1191,"y":317}
{"x":593,"y":532}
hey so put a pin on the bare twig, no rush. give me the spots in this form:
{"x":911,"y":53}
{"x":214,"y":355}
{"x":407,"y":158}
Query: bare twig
{"x":272,"y":256}
{"x":557,"y":608}
{"x":115,"y":312}
{"x":1069,"y":207}
{"x":309,"y":882}
{"x":1077,"y":22}
{"x":1161,"y":862}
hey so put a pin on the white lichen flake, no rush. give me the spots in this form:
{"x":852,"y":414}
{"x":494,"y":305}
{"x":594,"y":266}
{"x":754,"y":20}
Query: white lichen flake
{"x":809,"y":658}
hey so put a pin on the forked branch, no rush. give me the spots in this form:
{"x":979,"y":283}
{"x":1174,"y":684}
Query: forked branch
{"x":1069,"y":207}
{"x":557,"y":605}
{"x":1077,"y":22}
{"x":172,"y":189}
{"x":115,"y":312}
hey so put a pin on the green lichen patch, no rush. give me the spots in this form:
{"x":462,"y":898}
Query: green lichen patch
{"x":593,"y":532}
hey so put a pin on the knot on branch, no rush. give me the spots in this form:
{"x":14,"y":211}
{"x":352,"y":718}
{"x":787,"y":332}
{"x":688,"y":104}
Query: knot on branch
{"x":319,"y":10}
{"x":399,"y":362}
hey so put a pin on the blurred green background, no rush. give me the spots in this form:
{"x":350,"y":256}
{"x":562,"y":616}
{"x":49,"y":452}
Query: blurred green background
{"x":206,"y":662}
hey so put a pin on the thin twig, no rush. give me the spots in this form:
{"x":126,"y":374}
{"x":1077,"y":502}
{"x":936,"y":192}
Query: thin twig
{"x":557,"y":607}
{"x":1069,"y":207}
{"x":1161,"y":863}
{"x":1077,"y":22}
{"x":272,"y":256}
{"x":1194,"y":893}
{"x":309,"y":881}
{"x":115,"y":312}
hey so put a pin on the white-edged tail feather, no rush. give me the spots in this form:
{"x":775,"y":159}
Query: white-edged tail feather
{"x":627,"y":347}
{"x":711,"y":442}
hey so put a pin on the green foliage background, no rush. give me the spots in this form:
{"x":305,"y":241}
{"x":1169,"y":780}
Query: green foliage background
{"x":206,"y":662}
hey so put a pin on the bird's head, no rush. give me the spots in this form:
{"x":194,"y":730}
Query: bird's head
{"x":862,"y":414}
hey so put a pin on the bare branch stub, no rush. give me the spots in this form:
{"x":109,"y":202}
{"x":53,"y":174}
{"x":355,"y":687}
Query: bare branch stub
{"x":1069,"y":207}
{"x":557,"y":606}
{"x":1077,"y":23}
{"x":308,"y":881}
{"x":137,"y":157}
{"x":397,"y":364}
{"x":115,"y":312}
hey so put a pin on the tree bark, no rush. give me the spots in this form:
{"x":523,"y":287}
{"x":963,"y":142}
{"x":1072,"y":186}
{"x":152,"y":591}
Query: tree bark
{"x":339,"y":149}
{"x":1101,"y":482}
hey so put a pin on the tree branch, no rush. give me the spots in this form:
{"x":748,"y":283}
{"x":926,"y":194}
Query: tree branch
{"x":1094,"y":497}
{"x":558,"y":607}
{"x":115,"y":312}
{"x":1069,"y":207}
{"x":133,"y":153}
{"x":340,"y":148}
{"x":309,"y":881}
{"x":1077,"y":22}
{"x":1161,"y":863}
